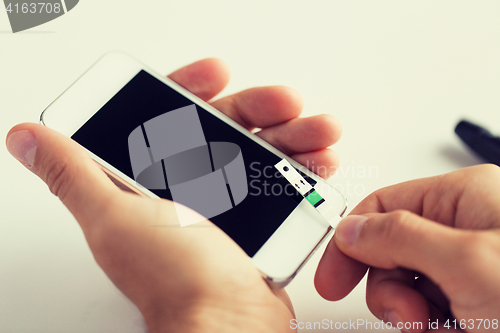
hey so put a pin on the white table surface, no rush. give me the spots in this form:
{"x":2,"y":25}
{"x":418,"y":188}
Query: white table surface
{"x":399,"y":75}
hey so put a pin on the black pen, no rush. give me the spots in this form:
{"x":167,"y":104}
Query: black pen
{"x":480,"y":140}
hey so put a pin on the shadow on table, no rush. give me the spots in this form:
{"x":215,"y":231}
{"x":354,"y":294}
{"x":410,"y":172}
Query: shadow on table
{"x":460,"y":156}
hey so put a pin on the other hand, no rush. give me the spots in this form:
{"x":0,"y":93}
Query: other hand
{"x":443,"y":229}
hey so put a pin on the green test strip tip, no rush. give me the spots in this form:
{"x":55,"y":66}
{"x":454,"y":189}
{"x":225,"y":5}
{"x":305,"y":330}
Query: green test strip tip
{"x":314,"y":198}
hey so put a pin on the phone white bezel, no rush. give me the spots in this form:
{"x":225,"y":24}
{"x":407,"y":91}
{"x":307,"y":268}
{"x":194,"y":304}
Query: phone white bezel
{"x":284,"y":253}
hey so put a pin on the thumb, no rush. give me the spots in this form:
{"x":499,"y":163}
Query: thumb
{"x":403,"y":239}
{"x":66,"y":168}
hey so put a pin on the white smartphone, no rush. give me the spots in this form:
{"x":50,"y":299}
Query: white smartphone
{"x":156,"y":139}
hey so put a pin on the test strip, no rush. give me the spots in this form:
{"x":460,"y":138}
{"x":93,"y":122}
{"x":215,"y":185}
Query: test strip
{"x":308,"y":192}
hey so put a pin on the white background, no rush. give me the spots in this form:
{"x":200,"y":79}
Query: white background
{"x":399,"y":75}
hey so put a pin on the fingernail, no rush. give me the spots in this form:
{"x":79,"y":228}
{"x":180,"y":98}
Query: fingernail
{"x":349,"y":228}
{"x":394,"y":318}
{"x":22,"y":145}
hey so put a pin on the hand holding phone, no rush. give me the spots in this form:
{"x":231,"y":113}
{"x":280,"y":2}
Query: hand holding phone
{"x":179,"y":278}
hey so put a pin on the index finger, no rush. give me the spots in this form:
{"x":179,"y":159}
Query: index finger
{"x":467,"y":198}
{"x":204,"y":78}
{"x":261,"y":107}
{"x":407,"y":196}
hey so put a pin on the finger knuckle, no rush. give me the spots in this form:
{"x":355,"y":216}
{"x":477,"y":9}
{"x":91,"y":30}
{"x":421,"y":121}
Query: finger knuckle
{"x":58,"y":177}
{"x":398,"y":221}
{"x":393,"y":227}
{"x":475,"y":251}
{"x":110,"y":224}
{"x":110,"y":206}
{"x":475,"y":246}
{"x":101,"y":239}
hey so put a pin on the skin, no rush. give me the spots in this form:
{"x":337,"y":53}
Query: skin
{"x":445,"y":229}
{"x":181,"y":279}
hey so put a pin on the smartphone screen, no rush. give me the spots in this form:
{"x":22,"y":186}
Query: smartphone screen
{"x":251,"y":222}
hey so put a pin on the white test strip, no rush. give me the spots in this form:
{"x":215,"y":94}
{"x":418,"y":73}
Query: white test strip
{"x":308,"y":192}
{"x":293,"y":177}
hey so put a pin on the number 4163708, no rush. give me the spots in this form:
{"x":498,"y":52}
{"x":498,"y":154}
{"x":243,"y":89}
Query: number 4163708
{"x":472,"y":324}
{"x":34,"y":8}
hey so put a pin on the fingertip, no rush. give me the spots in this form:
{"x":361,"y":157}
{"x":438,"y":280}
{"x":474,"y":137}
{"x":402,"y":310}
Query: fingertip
{"x":216,"y":69}
{"x":9,"y":143}
{"x":337,"y":274}
{"x":289,"y":100}
{"x":261,"y":107}
{"x":349,"y":229}
{"x":22,"y":145}
{"x":204,"y":78}
{"x":323,"y":162}
{"x":330,"y":156}
{"x":329,"y":128}
{"x":310,"y":133}
{"x":271,"y":105}
{"x":21,"y":127}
